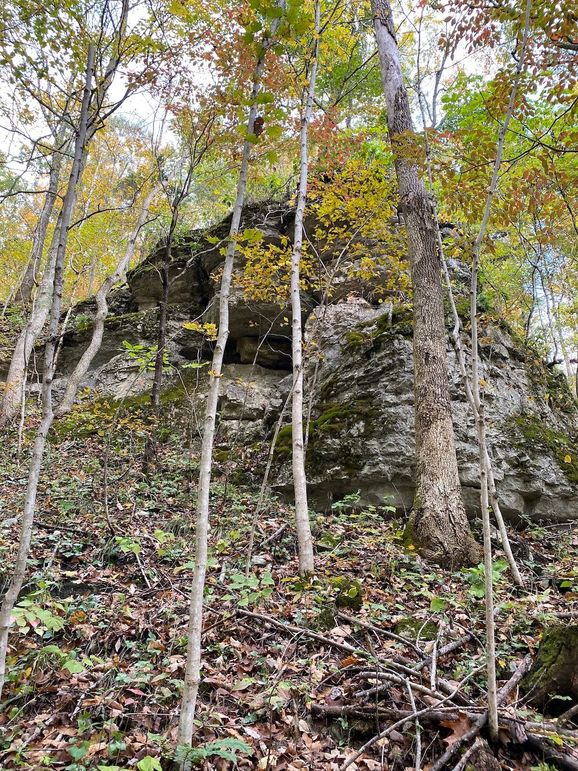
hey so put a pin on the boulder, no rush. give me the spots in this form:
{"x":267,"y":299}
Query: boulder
{"x":552,"y":683}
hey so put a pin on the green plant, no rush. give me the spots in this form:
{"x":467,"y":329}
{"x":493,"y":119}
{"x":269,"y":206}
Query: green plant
{"x":347,"y":503}
{"x":64,"y":659}
{"x":128,"y":545}
{"x":475,"y":576}
{"x":30,"y":614}
{"x":148,"y":763}
{"x":145,"y":355}
{"x":250,"y":589}
{"x":220,"y":748}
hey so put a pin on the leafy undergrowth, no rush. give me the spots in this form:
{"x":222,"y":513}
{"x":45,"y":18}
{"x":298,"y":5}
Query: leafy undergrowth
{"x":97,"y":655}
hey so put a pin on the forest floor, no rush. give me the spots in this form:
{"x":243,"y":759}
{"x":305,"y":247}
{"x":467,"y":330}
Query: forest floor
{"x":97,"y":656}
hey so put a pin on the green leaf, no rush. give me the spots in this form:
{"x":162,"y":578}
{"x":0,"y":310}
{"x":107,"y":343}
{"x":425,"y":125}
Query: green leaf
{"x":437,"y":604}
{"x":243,"y":684}
{"x":265,"y":97}
{"x":78,"y":751}
{"x":148,"y":763}
{"x":274,"y":132}
{"x":73,"y":666}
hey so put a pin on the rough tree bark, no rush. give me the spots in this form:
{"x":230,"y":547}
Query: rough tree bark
{"x":21,"y":561}
{"x":459,"y":348}
{"x":195,"y":623}
{"x":303,"y":527}
{"x":440,"y":529}
{"x":87,"y":357}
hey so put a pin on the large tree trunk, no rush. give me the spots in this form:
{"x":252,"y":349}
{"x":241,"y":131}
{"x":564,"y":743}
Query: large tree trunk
{"x":439,"y":527}
{"x":50,"y":352}
{"x":303,"y":527}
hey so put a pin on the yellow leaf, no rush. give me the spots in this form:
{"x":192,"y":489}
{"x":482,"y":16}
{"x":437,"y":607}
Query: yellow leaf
{"x":567,"y":459}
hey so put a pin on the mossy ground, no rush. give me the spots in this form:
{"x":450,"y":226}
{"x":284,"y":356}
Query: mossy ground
{"x":552,"y":680}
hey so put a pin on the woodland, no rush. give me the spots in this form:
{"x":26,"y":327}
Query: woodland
{"x":288,"y":385}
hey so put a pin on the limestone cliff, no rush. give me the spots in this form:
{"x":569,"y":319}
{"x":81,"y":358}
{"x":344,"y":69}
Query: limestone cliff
{"x":360,"y":372}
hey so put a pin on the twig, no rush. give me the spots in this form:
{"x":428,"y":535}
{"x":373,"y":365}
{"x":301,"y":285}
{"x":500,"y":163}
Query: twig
{"x":144,"y":575}
{"x":564,"y":760}
{"x":396,"y":679}
{"x":461,"y":764}
{"x":433,"y":667}
{"x":352,"y":758}
{"x":417,"y":727}
{"x":377,"y":629}
{"x":501,"y":695}
{"x":568,"y":714}
{"x":351,"y":710}
{"x":300,"y":630}
{"x":66,"y":528}
{"x":277,"y":534}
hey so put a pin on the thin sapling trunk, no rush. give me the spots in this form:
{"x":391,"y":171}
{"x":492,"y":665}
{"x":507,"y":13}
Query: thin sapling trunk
{"x":195,"y":623}
{"x":478,"y":402}
{"x":303,"y":527}
{"x":21,"y":561}
{"x":75,"y":379}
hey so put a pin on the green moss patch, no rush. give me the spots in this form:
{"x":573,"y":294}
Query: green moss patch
{"x":551,"y":386}
{"x":416,"y":628}
{"x":553,"y":679}
{"x":538,"y":435}
{"x":349,"y":593}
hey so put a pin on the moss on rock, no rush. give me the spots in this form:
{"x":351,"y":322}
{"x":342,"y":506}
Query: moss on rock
{"x":413,"y":628}
{"x":349,"y":593}
{"x":553,"y":678}
{"x":562,"y":447}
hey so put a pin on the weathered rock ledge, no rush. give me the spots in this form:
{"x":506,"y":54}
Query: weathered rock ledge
{"x":360,"y":370}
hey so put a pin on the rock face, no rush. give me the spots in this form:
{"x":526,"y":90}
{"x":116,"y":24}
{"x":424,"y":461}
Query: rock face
{"x":362,"y":430}
{"x":360,"y":372}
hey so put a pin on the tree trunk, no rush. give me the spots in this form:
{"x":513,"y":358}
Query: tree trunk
{"x":23,"y":293}
{"x":440,"y":529}
{"x":87,"y":357}
{"x":195,"y":624}
{"x":304,"y":539}
{"x":485,"y":466}
{"x":14,"y":391}
{"x":151,"y":440}
{"x":21,"y":561}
